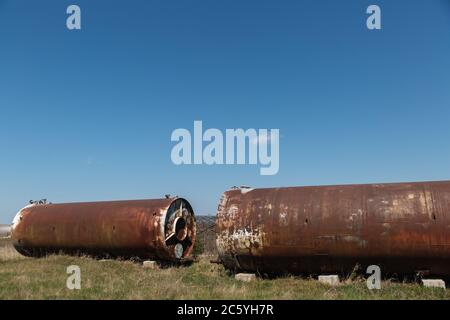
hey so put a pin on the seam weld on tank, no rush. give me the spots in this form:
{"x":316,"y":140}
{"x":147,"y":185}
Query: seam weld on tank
{"x":403,"y":228}
{"x":161,"y":229}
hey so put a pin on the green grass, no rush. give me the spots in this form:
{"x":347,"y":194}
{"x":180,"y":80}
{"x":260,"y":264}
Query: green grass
{"x":45,"y":278}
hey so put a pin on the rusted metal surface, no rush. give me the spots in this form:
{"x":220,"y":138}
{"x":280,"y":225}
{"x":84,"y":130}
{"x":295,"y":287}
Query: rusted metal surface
{"x":159,"y":229}
{"x":403,"y":228}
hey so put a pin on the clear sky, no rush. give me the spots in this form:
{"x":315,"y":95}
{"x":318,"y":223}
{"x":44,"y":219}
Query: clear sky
{"x":87,"y":115}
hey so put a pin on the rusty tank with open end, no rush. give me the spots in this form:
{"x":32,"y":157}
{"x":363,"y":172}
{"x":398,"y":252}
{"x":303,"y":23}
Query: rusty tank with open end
{"x":404,"y":228}
{"x":162,"y":229}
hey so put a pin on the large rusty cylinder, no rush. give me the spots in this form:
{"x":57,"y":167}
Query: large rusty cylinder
{"x":161,"y":229}
{"x":404,"y":228}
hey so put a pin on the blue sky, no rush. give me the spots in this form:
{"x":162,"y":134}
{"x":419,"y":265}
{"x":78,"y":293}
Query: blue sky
{"x":87,"y":115}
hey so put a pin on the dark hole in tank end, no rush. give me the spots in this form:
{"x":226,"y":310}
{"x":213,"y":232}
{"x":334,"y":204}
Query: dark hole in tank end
{"x":180,"y":229}
{"x":179,"y":225}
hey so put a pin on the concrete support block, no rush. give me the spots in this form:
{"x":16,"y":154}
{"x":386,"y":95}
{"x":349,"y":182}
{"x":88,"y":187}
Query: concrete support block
{"x":148,"y":264}
{"x":246,"y":277}
{"x":433,"y":283}
{"x":332,"y":280}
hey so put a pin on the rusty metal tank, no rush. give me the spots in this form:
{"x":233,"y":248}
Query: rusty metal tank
{"x":161,"y":229}
{"x":404,"y":228}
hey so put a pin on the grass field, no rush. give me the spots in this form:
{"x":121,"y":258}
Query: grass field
{"x":45,"y":278}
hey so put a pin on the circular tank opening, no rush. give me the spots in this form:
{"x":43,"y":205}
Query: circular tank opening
{"x":179,"y":229}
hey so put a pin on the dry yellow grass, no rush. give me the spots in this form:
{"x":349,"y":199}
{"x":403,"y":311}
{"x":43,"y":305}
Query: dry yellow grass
{"x":45,"y":278}
{"x":7,"y":251}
